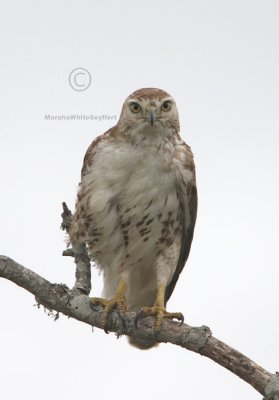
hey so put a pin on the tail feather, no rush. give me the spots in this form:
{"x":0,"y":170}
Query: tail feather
{"x":142,"y":344}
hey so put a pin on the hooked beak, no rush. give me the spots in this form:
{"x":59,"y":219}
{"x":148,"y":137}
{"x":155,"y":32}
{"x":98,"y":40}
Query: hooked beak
{"x":151,"y":116}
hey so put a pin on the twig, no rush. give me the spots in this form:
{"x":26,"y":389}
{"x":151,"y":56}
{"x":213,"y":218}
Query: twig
{"x":79,"y":252}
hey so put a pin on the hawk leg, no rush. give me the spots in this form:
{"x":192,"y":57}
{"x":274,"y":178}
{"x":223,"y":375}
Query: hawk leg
{"x":159,"y":310}
{"x":117,"y":302}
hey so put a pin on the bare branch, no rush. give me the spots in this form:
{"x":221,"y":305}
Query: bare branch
{"x":200,"y":340}
{"x":67,"y":218}
{"x":79,"y":252}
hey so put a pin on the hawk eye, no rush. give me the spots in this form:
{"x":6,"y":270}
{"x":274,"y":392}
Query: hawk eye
{"x":166,"y":106}
{"x":135,"y":107}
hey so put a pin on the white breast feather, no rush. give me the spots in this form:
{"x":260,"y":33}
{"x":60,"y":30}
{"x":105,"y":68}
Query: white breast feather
{"x":129,"y":176}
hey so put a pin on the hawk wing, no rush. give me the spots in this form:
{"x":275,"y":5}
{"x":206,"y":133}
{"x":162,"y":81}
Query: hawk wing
{"x":79,"y":224}
{"x":187,"y":194}
{"x":92,"y":149}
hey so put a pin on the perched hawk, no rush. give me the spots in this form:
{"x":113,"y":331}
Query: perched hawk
{"x":136,"y":207}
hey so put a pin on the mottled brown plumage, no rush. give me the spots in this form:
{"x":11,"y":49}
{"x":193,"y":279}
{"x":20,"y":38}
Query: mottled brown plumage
{"x":136,"y":206}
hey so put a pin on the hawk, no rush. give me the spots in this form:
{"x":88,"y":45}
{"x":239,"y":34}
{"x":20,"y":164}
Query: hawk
{"x":136,"y":207}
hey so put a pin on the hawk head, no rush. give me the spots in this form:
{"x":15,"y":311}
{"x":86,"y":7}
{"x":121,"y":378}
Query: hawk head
{"x":149,"y":111}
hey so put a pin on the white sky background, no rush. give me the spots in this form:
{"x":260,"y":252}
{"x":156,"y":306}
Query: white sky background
{"x":220,"y":61}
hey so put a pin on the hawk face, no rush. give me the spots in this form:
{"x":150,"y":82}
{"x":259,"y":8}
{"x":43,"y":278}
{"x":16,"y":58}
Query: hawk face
{"x":149,"y":112}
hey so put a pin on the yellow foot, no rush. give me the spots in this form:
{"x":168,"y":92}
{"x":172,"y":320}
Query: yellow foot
{"x":159,"y":310}
{"x":118,"y":302}
{"x":160,"y":313}
{"x":99,"y":301}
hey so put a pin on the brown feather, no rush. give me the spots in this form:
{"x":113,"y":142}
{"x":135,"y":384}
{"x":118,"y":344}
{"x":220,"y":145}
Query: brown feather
{"x":189,"y":205}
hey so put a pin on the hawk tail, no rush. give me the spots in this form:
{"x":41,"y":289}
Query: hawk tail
{"x":142,"y":344}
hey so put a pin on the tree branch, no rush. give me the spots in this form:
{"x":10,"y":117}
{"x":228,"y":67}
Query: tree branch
{"x":75,"y":303}
{"x":198,"y":339}
{"x":79,"y":252}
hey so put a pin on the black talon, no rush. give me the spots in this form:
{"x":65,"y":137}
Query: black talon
{"x":105,"y":322}
{"x":106,"y":329}
{"x":123,"y":328}
{"x":181,"y":319}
